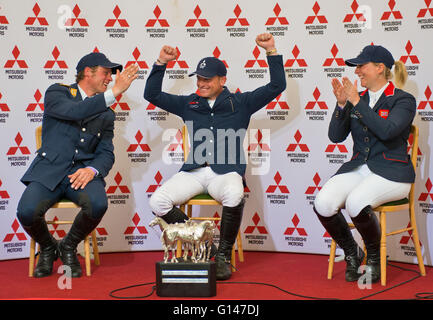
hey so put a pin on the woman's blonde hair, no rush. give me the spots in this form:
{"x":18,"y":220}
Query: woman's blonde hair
{"x":400,"y":74}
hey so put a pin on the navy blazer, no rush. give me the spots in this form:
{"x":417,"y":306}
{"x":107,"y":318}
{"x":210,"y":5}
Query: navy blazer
{"x":75,"y":132}
{"x":379,"y":134}
{"x":217,"y":133}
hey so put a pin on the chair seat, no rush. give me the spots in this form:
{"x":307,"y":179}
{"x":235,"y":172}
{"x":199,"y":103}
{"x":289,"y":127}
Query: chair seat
{"x":202,"y":199}
{"x":396,"y":202}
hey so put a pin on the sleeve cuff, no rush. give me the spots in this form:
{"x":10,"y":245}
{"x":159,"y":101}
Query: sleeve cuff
{"x":109,"y":98}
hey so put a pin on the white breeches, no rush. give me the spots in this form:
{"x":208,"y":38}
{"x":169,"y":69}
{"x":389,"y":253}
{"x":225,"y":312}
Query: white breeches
{"x":357,"y":189}
{"x":228,"y":189}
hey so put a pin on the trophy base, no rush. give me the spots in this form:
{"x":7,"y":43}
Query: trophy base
{"x":186,"y":279}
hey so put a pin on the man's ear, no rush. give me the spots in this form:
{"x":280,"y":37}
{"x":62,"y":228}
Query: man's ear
{"x":223,"y":80}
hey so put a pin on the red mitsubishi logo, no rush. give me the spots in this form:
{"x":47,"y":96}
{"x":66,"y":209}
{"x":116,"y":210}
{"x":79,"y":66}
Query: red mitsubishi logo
{"x":38,"y":97}
{"x":301,"y":231}
{"x":341,"y":148}
{"x":61,"y":63}
{"x":282,"y":20}
{"x":311,"y":104}
{"x":263,"y":146}
{"x":422,"y":13}
{"x":20,"y":235}
{"x":359,"y":16}
{"x":312,"y":189}
{"x":31,"y":20}
{"x":182,"y":63}
{"x":71,"y":21}
{"x":152,"y":22}
{"x":153,"y":187}
{"x":423,"y":104}
{"x":282,"y":188}
{"x":122,"y":105}
{"x":10,"y":63}
{"x":329,"y":61}
{"x":243,"y":21}
{"x":301,"y":62}
{"x":133,"y":147}
{"x":118,"y":179}
{"x":262,"y":63}
{"x":424,"y":195}
{"x":3,"y":193}
{"x":292,"y":147}
{"x":260,"y":229}
{"x":283,"y":105}
{"x":179,"y":142}
{"x":136,"y":54}
{"x":413,"y":58}
{"x":197,"y":13}
{"x":13,"y":150}
{"x":387,"y":14}
{"x":405,"y":239}
{"x":112,"y":22}
{"x":3,"y":106}
{"x":3,"y":20}
{"x":136,"y":220}
{"x":321,"y":19}
{"x":56,"y":230}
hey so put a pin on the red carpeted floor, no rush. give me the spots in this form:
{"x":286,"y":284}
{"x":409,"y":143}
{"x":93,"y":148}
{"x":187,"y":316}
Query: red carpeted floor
{"x":263,"y":276}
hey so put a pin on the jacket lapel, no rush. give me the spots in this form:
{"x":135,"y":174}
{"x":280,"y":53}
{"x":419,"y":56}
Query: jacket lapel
{"x":389,"y":91}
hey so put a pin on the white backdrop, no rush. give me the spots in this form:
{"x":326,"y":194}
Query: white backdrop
{"x":289,"y":154}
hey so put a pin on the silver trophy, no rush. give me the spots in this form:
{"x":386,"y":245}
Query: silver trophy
{"x":195,"y":237}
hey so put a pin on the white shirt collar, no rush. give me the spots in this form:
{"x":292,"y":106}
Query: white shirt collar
{"x":374,"y":96}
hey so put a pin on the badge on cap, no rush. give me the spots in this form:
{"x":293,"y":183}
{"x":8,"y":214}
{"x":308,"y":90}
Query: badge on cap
{"x":203,"y":64}
{"x":73,"y":92}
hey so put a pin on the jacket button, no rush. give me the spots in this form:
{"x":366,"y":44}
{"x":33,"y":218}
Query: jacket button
{"x":366,"y":139}
{"x":82,"y":140}
{"x":367,"y":149}
{"x":44,"y":154}
{"x":365,"y":129}
{"x":83,"y":129}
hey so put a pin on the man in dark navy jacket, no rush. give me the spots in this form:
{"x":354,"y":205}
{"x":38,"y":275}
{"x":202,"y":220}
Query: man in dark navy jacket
{"x":217,"y":121}
{"x":75,"y":156}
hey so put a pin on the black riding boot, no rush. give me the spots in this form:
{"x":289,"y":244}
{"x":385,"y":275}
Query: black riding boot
{"x":230,"y":223}
{"x":175,"y":215}
{"x":368,"y":226}
{"x":48,"y":247}
{"x":339,"y":230}
{"x":81,"y":227}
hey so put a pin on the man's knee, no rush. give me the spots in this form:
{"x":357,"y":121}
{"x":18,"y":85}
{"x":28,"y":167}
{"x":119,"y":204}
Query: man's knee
{"x":27,"y":211}
{"x":159,"y":204}
{"x":94,"y":207}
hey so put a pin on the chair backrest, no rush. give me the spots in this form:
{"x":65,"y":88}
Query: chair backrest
{"x":38,"y":135}
{"x":185,"y":143}
{"x":414,"y":131}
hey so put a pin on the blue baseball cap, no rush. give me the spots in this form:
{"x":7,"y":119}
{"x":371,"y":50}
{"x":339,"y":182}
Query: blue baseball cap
{"x":97,"y":59}
{"x":372,"y":53}
{"x":210,"y":67}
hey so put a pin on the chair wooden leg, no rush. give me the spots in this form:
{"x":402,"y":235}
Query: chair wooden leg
{"x":415,"y":238}
{"x":382,"y":216}
{"x":87,"y":255}
{"x":32,"y":257}
{"x":233,"y":260}
{"x":179,"y":249}
{"x":240,"y":249}
{"x":331,"y":259}
{"x":95,"y":249}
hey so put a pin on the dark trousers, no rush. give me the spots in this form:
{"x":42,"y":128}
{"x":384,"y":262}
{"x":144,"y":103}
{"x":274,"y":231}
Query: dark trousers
{"x":37,"y":199}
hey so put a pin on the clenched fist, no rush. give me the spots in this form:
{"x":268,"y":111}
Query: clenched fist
{"x":266,"y":41}
{"x":167,"y":54}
